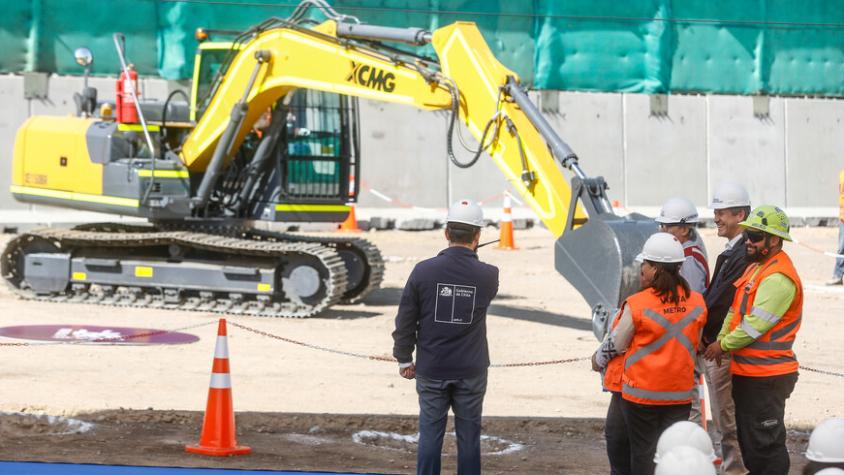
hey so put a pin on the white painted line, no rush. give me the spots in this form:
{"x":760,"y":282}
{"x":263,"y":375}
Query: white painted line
{"x":369,"y":437}
{"x":381,"y":195}
{"x":824,"y":289}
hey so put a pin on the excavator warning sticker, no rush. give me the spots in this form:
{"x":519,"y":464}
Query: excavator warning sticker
{"x":455,"y":304}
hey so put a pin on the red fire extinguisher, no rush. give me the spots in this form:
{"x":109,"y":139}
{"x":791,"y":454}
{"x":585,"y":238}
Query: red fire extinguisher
{"x":126,"y":112}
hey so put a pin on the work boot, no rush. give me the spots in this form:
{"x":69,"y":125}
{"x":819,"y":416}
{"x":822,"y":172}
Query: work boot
{"x":836,"y":281}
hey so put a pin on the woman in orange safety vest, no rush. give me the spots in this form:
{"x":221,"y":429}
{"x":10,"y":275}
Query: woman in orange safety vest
{"x":657,"y":331}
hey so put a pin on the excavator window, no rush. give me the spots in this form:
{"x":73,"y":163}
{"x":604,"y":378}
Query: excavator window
{"x":320,"y":147}
{"x":208,"y":64}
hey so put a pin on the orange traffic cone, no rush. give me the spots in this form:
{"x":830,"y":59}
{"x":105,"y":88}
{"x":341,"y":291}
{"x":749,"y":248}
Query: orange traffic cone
{"x":506,"y":241}
{"x":218,"y":432}
{"x":350,"y":225}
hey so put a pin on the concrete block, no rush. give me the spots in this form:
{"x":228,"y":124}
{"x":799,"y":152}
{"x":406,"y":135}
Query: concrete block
{"x":418,"y":224}
{"x":796,"y":221}
{"x":822,"y":222}
{"x":382,"y":224}
{"x":522,"y":223}
{"x":707,"y":223}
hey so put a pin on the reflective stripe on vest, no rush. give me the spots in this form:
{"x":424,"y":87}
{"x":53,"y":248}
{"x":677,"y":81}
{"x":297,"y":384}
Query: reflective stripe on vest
{"x":771,"y":353}
{"x":697,"y":254}
{"x":672,"y":331}
{"x":659,"y":395}
{"x":786,"y":329}
{"x":615,"y":367}
{"x":774,"y":343}
{"x":763,"y":360}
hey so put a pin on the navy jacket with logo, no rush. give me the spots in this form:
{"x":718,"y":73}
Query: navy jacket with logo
{"x":729,"y":266}
{"x":442,"y":314}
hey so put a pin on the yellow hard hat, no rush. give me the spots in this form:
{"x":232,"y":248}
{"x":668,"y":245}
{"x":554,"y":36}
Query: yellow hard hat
{"x":768,"y":219}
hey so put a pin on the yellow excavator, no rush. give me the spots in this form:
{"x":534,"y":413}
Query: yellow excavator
{"x":277,"y":140}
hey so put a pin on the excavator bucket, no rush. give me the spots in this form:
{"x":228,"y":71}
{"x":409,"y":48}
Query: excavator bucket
{"x":598,"y":257}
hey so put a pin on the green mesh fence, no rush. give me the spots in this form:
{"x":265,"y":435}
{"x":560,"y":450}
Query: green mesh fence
{"x":721,"y":46}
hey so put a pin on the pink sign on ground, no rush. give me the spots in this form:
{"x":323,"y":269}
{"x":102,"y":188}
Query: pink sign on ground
{"x":92,"y":334}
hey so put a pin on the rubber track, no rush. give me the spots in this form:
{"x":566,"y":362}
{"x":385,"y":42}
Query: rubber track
{"x":365,"y":248}
{"x":140,"y":236}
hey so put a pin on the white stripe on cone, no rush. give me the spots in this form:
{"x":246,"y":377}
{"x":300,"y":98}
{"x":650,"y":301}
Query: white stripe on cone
{"x":507,"y":217}
{"x":221,"y":381}
{"x":222,"y":348}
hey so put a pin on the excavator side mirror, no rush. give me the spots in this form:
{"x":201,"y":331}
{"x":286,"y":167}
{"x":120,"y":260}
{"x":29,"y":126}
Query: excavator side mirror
{"x":83,"y":57}
{"x":86,"y":102}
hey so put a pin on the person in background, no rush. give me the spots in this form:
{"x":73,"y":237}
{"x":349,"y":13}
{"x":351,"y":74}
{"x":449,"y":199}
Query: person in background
{"x":679,"y":218}
{"x":838,"y":270}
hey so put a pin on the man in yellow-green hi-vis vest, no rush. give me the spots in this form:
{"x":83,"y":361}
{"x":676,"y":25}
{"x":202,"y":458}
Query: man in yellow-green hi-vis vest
{"x":759,"y":331}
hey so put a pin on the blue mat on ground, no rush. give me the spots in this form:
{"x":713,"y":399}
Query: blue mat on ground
{"x":42,"y":468}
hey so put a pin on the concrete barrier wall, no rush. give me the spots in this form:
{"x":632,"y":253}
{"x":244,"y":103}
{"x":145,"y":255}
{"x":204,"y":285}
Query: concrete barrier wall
{"x":790,"y":157}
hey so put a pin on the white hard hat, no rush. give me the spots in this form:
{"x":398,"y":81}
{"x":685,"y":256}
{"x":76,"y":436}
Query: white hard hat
{"x":466,"y":212}
{"x":729,"y":195}
{"x":830,"y":471}
{"x":684,"y":460}
{"x":662,"y":247}
{"x":684,"y":433}
{"x":826,"y":444}
{"x":677,"y":211}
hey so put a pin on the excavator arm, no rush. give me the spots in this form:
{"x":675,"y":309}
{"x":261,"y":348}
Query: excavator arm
{"x":595,"y":248}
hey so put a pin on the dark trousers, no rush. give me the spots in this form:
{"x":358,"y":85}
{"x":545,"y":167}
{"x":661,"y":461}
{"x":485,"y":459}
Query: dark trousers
{"x":645,"y":423}
{"x":760,"y":412}
{"x":618,"y":444}
{"x":466,"y":398}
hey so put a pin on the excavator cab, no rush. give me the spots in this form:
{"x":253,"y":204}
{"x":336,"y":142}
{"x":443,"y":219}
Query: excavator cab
{"x":316,"y":164}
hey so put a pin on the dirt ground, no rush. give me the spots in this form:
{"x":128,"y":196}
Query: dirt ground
{"x":299,"y":407}
{"x":310,"y":442}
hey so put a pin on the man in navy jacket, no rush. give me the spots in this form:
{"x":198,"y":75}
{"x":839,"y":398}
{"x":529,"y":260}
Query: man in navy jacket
{"x":731,"y":205}
{"x":442,"y":315}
